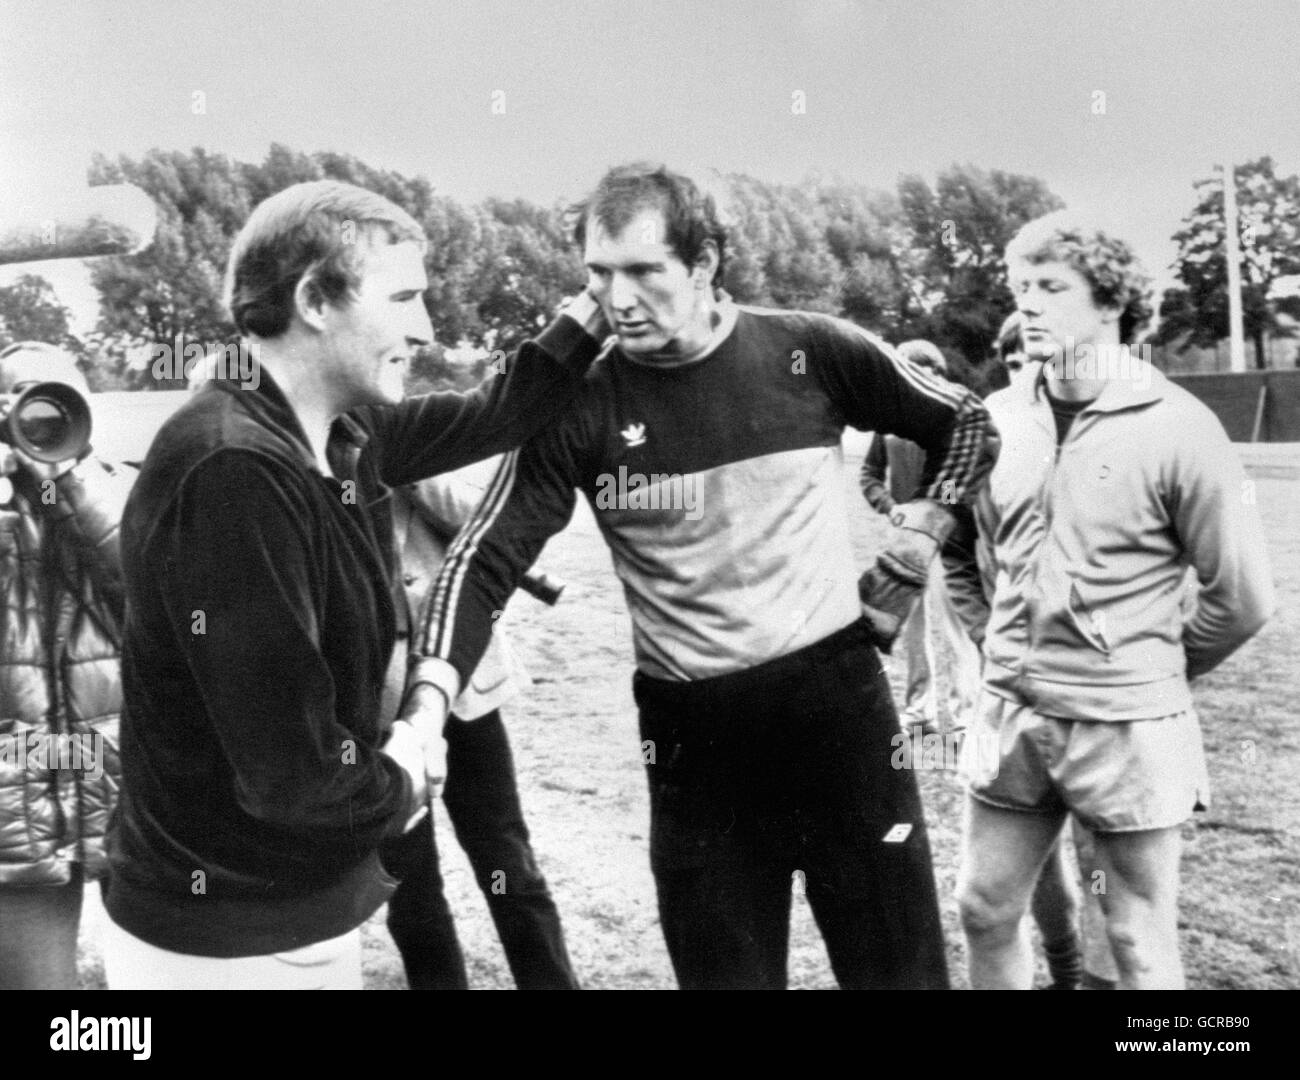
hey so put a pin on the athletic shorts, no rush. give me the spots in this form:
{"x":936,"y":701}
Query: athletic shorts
{"x":1113,"y":775}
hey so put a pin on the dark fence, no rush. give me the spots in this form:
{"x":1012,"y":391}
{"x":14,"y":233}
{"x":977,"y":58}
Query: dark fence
{"x":1254,"y":406}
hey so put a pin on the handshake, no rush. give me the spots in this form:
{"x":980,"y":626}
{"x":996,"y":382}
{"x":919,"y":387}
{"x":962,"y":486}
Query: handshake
{"x":417,"y":743}
{"x":891,"y":588}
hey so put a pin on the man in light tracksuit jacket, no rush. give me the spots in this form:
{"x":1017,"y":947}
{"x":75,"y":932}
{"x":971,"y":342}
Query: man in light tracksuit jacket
{"x":1112,"y":481}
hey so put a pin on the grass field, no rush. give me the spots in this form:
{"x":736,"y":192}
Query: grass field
{"x":577,"y":750}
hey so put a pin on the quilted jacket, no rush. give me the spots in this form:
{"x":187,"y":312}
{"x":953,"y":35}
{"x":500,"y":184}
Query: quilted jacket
{"x":61,"y":603}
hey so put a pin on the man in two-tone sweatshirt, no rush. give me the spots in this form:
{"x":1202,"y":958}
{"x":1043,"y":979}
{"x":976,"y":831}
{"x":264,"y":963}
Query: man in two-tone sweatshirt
{"x":707,"y":440}
{"x":1111,"y":482}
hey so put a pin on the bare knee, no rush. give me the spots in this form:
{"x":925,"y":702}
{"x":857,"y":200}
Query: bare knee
{"x":1126,"y":942}
{"x":1145,"y":947}
{"x":1139,"y":955}
{"x":987,"y":910}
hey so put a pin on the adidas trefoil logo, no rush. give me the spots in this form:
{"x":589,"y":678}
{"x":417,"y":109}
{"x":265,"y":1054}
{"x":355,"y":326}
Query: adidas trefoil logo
{"x":633,"y":435}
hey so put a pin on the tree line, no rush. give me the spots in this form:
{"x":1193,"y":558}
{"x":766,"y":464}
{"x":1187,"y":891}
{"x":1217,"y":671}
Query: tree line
{"x":920,"y":261}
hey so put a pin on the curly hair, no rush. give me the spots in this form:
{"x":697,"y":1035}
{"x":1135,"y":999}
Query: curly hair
{"x":1110,"y":267}
{"x":691,"y":216}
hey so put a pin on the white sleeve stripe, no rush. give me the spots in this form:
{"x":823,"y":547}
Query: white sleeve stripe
{"x":931,"y":386}
{"x":939,"y":389}
{"x":961,"y":470}
{"x":461,"y":553}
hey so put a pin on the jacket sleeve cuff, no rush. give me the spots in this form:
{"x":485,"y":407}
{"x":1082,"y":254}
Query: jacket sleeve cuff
{"x":437,"y":673}
{"x":925,"y":516}
{"x":878,"y":498}
{"x":576,"y":336}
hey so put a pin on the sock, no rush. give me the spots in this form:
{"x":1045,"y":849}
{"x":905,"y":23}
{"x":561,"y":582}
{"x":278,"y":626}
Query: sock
{"x":1064,"y":962}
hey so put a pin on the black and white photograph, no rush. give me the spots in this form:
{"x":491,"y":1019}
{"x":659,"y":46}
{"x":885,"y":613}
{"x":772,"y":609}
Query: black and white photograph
{"x":572,"y":495}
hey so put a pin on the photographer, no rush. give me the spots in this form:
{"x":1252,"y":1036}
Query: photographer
{"x":60,"y":694}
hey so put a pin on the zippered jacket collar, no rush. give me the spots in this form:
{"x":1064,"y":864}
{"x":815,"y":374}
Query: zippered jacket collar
{"x":1117,"y":394}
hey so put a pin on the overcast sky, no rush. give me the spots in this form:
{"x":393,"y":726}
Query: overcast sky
{"x":536,"y":99}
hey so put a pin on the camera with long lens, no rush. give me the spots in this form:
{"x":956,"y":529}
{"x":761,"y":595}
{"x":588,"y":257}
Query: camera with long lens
{"x":48,"y":421}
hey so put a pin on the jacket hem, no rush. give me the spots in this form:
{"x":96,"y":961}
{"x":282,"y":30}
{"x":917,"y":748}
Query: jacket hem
{"x":1094,"y":700}
{"x":225,"y":926}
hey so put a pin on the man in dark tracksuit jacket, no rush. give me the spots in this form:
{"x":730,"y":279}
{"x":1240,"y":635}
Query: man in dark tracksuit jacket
{"x":258,"y":563}
{"x":708,"y":444}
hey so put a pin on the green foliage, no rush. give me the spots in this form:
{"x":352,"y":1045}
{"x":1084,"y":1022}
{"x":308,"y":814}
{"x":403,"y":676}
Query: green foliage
{"x":1268,"y":218}
{"x":779,"y":254}
{"x":866,"y":234}
{"x":926,"y":262}
{"x":174,"y":286}
{"x":920,"y":263}
{"x":496,"y":271}
{"x":527,"y":268}
{"x":959,"y":230}
{"x":29,"y":311}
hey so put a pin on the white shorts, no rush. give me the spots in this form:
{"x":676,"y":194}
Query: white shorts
{"x":1113,"y":775}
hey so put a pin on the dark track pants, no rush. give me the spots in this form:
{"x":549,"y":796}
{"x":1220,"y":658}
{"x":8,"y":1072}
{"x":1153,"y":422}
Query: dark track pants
{"x":783,"y":773}
{"x":482,"y":800}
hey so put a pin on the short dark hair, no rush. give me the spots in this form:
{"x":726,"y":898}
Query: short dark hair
{"x":691,"y":216}
{"x":313,"y":230}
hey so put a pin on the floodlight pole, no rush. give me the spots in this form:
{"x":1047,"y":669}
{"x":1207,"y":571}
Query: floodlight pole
{"x":1236,"y":334}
